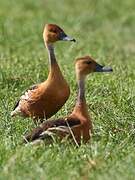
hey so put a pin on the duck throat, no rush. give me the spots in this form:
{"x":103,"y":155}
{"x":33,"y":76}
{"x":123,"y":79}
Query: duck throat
{"x":81,"y":92}
{"x":54,"y":72}
{"x":52,"y":58}
{"x":81,"y":106}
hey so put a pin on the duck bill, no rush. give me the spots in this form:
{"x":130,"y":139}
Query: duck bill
{"x":100,"y":68}
{"x":67,"y":38}
{"x":64,"y":37}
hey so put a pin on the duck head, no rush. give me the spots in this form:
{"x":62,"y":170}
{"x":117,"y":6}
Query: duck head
{"x":86,"y":65}
{"x":53,"y":33}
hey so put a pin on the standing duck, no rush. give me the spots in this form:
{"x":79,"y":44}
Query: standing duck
{"x":78,"y":124}
{"x":43,"y":100}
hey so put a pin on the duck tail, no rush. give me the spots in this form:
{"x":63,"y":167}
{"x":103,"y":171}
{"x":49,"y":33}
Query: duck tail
{"x":15,"y":112}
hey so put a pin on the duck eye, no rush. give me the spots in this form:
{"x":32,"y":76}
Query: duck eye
{"x":88,"y":62}
{"x":53,"y":31}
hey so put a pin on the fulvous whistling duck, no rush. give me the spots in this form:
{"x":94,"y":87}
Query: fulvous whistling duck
{"x":78,"y":124}
{"x":45,"y":99}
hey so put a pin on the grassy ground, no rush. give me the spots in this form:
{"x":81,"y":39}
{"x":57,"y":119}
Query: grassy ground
{"x":106,"y":30}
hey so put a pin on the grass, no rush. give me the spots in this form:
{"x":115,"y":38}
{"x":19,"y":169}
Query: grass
{"x":105,"y":29}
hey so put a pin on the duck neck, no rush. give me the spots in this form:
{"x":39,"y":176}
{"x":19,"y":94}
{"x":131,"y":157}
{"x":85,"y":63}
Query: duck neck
{"x":81,"y":106}
{"x":54,"y":70}
{"x":81,"y":92}
{"x":51,"y":54}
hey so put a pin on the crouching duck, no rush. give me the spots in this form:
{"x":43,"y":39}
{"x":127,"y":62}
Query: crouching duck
{"x":78,"y":124}
{"x":43,"y":100}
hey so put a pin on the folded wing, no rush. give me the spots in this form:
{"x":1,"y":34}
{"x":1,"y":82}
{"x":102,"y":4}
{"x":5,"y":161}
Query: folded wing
{"x":25,"y":96}
{"x":60,"y":127}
